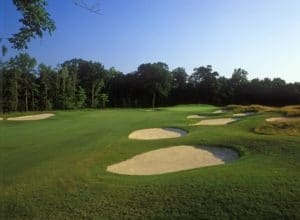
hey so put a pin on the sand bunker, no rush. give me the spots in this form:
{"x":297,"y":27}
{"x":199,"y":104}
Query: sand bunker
{"x":243,"y":114}
{"x":1,"y":119}
{"x":283,"y":119}
{"x":195,"y":116}
{"x":31,"y":117}
{"x":173,"y":159}
{"x":157,"y":133}
{"x":217,"y":121}
{"x":220,"y":111}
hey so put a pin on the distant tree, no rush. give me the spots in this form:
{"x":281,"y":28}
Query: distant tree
{"x":179,"y":77}
{"x":78,"y":84}
{"x":91,"y":76}
{"x":80,"y":98}
{"x":206,"y":80}
{"x":46,"y":89}
{"x":238,"y":83}
{"x":156,"y":79}
{"x":103,"y":98}
{"x":24,"y":67}
{"x":239,"y":77}
{"x":10,"y":88}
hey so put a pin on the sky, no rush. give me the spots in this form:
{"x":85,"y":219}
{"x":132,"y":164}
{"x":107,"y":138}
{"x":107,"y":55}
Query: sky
{"x":260,"y":36}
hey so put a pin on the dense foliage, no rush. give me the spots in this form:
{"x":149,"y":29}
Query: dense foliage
{"x":79,"y":83}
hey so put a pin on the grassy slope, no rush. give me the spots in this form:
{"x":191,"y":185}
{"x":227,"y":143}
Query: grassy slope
{"x":55,"y":168}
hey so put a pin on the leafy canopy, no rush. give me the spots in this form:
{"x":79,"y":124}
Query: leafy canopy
{"x":35,"y":21}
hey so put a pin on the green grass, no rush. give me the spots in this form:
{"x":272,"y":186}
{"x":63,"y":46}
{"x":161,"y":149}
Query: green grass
{"x":55,"y":169}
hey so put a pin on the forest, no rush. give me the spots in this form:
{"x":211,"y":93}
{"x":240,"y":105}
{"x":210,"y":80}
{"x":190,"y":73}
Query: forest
{"x":77,"y":83}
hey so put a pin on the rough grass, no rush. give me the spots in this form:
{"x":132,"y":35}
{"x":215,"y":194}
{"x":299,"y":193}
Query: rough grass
{"x":55,"y":169}
{"x":248,"y":108}
{"x":289,"y":111}
{"x":288,"y":128}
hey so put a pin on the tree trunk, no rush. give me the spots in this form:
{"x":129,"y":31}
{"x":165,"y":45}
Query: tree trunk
{"x":93,"y":95}
{"x":26,"y":100}
{"x":46,"y":98}
{"x":33,"y":101}
{"x":15,"y":108}
{"x":153,"y":99}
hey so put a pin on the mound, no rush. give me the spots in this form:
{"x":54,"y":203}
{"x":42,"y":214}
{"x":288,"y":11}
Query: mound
{"x":195,"y":116}
{"x":157,"y":133}
{"x":173,"y":159}
{"x":243,"y":114}
{"x":283,"y":119}
{"x":217,"y":121}
{"x":31,"y":117}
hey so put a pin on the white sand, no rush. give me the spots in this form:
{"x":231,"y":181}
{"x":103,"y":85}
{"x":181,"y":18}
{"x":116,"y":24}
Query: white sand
{"x":157,"y":133}
{"x":195,"y":116}
{"x":31,"y":117}
{"x":220,"y":111}
{"x":217,"y":121}
{"x":173,"y":159}
{"x":283,"y":119}
{"x":243,"y":114}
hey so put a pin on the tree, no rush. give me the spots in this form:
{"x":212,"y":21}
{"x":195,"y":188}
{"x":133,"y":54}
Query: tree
{"x":46,"y":88}
{"x":179,"y":77}
{"x":80,"y":98}
{"x":156,"y":79}
{"x":23,"y":80}
{"x":78,"y":84}
{"x":35,"y":21}
{"x":238,"y":81}
{"x":239,"y":76}
{"x":10,"y":88}
{"x":205,"y":79}
{"x":91,"y":76}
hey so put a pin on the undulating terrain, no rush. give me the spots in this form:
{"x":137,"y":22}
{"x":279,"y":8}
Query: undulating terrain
{"x":56,"y":168}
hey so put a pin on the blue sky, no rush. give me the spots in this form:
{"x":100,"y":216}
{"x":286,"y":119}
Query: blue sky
{"x":261,"y":36}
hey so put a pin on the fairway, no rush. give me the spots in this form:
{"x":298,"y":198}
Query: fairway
{"x":55,"y":168}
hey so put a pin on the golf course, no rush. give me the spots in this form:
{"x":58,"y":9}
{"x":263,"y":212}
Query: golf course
{"x":58,"y":166}
{"x":149,"y":109}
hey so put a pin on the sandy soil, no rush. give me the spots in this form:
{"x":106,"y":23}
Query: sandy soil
{"x":283,"y":119}
{"x":195,"y":116}
{"x":220,"y":111}
{"x":31,"y":117}
{"x":243,"y":114}
{"x":217,"y":121}
{"x":173,"y":159}
{"x":157,"y":133}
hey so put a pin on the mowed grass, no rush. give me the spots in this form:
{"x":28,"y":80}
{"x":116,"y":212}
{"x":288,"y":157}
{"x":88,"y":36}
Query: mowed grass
{"x":56,"y":168}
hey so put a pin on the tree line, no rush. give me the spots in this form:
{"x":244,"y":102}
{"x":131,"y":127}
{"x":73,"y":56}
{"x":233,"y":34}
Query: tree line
{"x":77,"y":83}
